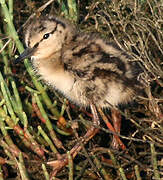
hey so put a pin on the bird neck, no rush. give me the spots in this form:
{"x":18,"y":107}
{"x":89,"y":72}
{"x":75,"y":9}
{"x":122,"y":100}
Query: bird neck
{"x":52,"y":63}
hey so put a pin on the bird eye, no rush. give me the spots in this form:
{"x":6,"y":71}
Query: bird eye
{"x":46,"y":36}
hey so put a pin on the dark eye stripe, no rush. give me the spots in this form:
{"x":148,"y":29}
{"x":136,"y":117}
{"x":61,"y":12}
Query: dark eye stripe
{"x":52,"y":30}
{"x":37,"y":44}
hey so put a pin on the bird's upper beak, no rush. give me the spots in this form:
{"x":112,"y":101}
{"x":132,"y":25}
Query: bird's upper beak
{"x":26,"y":54}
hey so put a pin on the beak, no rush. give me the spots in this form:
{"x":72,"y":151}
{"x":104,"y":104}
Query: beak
{"x":26,"y":54}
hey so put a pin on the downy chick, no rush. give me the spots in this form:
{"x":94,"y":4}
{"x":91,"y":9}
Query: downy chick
{"x":85,"y":68}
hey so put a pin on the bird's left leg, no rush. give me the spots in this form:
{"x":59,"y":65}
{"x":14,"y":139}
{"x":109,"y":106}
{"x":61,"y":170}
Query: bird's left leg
{"x":60,"y":163}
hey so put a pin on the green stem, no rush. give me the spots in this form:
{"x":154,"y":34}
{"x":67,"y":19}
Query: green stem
{"x":7,"y":69}
{"x":47,"y":139}
{"x":47,"y":122}
{"x":46,"y":174}
{"x":73,"y":13}
{"x":70,"y":165}
{"x":154,"y":162}
{"x":22,"y":168}
{"x":1,"y":174}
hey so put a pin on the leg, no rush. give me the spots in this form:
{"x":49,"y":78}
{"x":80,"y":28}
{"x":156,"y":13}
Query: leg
{"x":116,"y":118}
{"x":60,"y":163}
{"x":117,"y":125}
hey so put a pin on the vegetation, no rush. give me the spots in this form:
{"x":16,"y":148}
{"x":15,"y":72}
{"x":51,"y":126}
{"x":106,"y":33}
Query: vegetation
{"x":36,"y":122}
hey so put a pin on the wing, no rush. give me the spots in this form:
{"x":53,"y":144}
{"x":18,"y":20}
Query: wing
{"x":90,"y":57}
{"x":102,"y":72}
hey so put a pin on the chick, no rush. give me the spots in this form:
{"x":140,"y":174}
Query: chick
{"x":86,"y":69}
{"x":83,"y":67}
